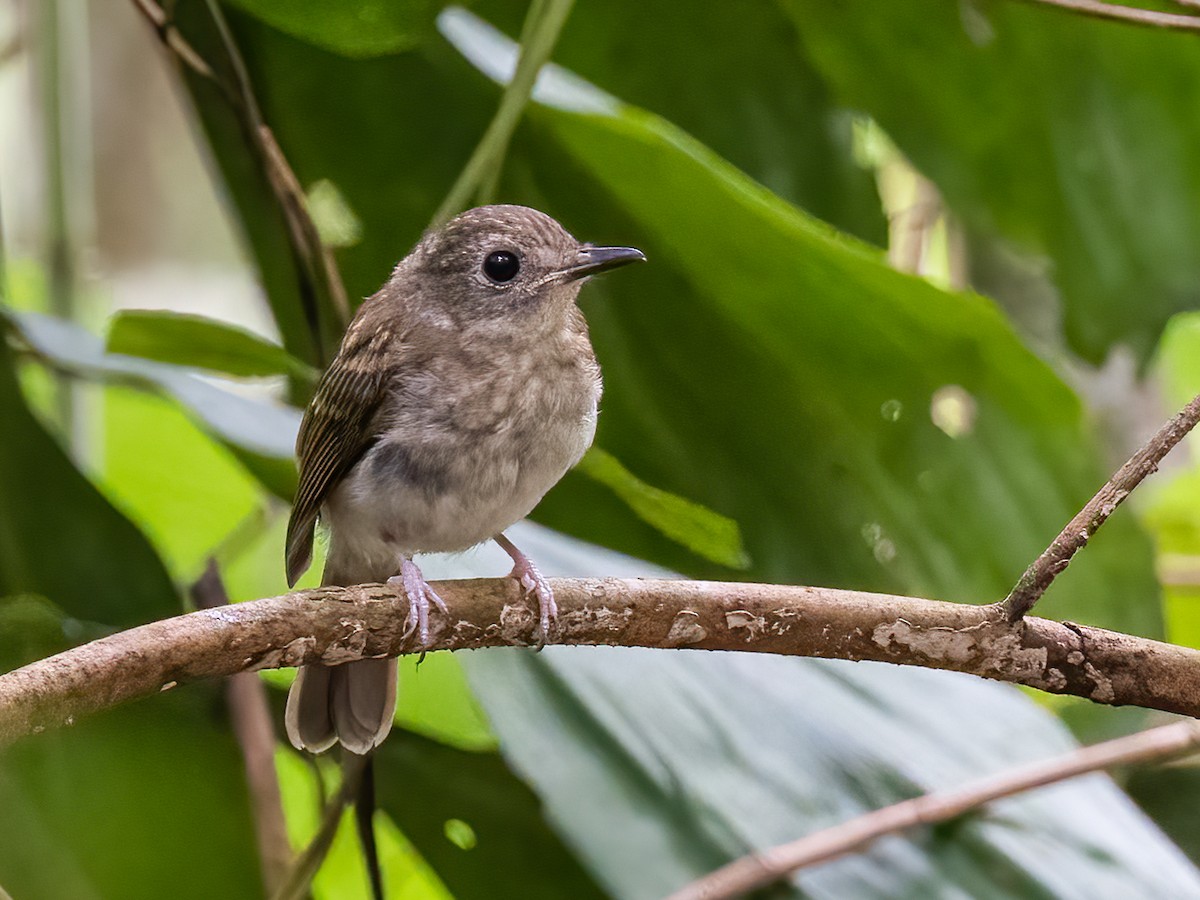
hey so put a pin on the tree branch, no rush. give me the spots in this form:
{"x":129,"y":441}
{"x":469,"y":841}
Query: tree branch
{"x":1055,"y":558}
{"x":1146,"y":17}
{"x":336,"y":625}
{"x":761,"y":869}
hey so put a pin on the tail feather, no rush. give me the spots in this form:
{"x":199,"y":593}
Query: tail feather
{"x":351,"y":704}
{"x":308,"y":716}
{"x":363,"y":703}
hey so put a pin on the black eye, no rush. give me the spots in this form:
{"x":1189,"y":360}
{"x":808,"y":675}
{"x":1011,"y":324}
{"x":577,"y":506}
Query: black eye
{"x":501,"y":266}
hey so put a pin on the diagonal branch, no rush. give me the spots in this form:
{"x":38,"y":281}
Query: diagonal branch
{"x":759,"y":870}
{"x":1147,"y":17}
{"x":336,"y":625}
{"x":1042,"y":572}
{"x":316,"y":269}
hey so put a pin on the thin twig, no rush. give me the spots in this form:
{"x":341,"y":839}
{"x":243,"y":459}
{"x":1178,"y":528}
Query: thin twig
{"x":333,"y":625}
{"x":309,"y":862}
{"x":314,"y":264}
{"x":543,"y":24}
{"x":1055,"y":558}
{"x":1147,"y":17}
{"x":169,"y":35}
{"x":250,"y":714}
{"x":761,"y":869}
{"x":283,"y":178}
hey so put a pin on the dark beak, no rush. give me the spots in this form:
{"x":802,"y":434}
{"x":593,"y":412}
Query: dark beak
{"x":600,"y":259}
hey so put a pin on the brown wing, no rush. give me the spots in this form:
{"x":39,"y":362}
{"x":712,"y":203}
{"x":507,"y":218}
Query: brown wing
{"x":333,"y":435}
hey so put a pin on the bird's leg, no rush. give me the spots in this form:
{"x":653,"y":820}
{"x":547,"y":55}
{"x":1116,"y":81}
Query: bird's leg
{"x":532,"y":582}
{"x":420,"y":596}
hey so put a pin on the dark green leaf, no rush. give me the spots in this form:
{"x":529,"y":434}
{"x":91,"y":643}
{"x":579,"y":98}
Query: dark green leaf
{"x":203,"y":343}
{"x":737,"y":81}
{"x":261,"y":434}
{"x":59,"y":536}
{"x":667,"y":764}
{"x":424,"y":785}
{"x":1074,"y":138}
{"x":144,"y":801}
{"x":783,"y":375}
{"x":355,"y":28}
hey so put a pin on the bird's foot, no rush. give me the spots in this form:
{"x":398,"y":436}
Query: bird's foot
{"x":420,"y":597}
{"x":533,"y":583}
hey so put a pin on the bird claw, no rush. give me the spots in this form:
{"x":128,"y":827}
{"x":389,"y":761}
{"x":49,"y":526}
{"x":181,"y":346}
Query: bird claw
{"x":533,"y":583}
{"x":420,"y":597}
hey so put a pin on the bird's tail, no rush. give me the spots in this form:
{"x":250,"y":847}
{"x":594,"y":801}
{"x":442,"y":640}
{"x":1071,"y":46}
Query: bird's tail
{"x":351,"y":704}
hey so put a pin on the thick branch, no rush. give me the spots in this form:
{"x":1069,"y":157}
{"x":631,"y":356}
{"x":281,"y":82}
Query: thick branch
{"x":1074,"y":537}
{"x":335,"y":625}
{"x":759,"y":870}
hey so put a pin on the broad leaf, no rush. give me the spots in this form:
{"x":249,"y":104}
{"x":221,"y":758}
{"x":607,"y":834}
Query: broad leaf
{"x":666,"y":765}
{"x":1074,"y":138}
{"x":259,"y":432}
{"x":59,"y":536}
{"x":202,"y":343}
{"x":863,"y":428}
{"x":144,"y":801}
{"x":658,"y":766}
{"x":736,"y":81}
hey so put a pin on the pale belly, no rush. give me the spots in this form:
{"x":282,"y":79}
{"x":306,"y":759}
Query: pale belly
{"x":406,"y":497}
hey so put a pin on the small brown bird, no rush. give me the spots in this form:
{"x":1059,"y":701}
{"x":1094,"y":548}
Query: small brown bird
{"x":462,"y":392}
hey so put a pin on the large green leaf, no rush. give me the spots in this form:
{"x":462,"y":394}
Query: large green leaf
{"x":200,"y":342}
{"x":59,"y":536}
{"x":863,"y":427}
{"x":145,"y":801}
{"x":1074,"y":138}
{"x":658,"y":766}
{"x":736,"y":81}
{"x":666,"y":765}
{"x":261,"y":433}
{"x":355,"y":28}
{"x":429,"y":789}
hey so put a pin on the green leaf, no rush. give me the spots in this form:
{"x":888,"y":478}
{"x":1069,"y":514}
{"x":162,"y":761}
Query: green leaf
{"x":144,"y":801}
{"x":354,"y":28}
{"x":666,"y":765}
{"x":261,"y":434}
{"x":1071,"y":137}
{"x":425,"y":786}
{"x":735,"y":81}
{"x":59,"y":536}
{"x":802,"y":387}
{"x":200,"y":342}
{"x":701,"y":530}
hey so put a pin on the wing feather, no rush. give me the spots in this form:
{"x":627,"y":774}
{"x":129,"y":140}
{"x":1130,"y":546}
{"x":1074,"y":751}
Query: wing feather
{"x":334,"y":434}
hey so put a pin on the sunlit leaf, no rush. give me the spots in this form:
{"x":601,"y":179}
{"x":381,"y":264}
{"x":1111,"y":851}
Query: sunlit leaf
{"x":200,"y":342}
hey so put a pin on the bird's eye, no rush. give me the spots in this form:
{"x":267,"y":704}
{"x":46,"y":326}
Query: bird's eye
{"x":501,"y":266}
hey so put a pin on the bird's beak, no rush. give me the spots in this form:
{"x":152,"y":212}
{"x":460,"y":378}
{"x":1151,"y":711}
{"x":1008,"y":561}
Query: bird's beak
{"x":601,"y":259}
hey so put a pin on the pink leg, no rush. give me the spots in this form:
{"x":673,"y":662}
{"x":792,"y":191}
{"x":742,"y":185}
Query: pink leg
{"x":532,"y":582}
{"x":420,"y":596}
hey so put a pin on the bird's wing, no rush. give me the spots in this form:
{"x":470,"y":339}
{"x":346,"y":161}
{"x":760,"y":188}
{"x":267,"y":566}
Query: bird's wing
{"x":334,"y":434}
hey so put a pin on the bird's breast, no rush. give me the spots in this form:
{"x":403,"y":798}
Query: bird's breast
{"x":461,"y":455}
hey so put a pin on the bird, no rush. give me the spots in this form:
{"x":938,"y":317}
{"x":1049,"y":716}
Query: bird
{"x":462,"y":391}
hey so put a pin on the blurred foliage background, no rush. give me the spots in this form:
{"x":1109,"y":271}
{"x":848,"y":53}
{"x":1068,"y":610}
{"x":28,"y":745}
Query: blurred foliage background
{"x":920,"y":278}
